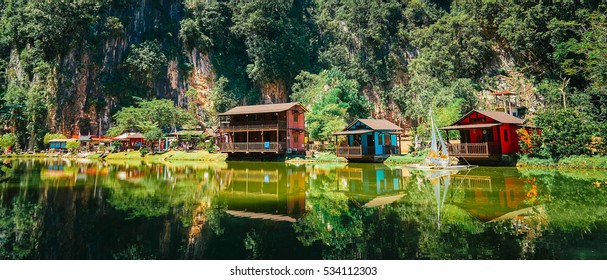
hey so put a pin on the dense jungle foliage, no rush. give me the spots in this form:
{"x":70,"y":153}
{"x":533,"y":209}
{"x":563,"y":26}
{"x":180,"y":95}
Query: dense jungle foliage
{"x":342,"y":59}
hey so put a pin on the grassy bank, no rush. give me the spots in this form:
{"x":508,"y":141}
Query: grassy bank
{"x":319,"y":157}
{"x":582,"y":162}
{"x":168,"y":156}
{"x":412,"y":158}
{"x":28,"y":155}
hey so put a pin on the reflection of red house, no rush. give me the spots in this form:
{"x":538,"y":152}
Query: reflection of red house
{"x":487,"y":134}
{"x":488,"y":198}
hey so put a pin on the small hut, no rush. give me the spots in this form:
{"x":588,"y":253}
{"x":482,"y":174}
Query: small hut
{"x":369,"y":140}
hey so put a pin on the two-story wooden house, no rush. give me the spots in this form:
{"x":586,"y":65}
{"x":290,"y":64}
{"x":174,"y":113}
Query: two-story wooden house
{"x":270,"y":128}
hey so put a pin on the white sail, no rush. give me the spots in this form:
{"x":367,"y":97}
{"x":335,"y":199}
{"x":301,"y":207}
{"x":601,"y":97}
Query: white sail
{"x":436,"y":157}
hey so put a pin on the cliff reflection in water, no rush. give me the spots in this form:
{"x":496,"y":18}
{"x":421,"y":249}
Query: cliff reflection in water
{"x":55,"y":209}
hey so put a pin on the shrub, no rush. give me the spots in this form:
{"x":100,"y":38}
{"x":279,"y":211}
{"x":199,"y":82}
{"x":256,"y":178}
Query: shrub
{"x":566,"y":132}
{"x":530,"y":142}
{"x":144,"y":151}
{"x":7,"y":140}
{"x":72,"y":145}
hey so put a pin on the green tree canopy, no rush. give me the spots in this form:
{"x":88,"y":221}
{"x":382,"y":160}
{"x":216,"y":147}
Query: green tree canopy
{"x":334,"y":101}
{"x":151,"y":115}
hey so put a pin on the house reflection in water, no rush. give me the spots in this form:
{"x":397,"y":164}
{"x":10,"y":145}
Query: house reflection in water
{"x":273,"y":192}
{"x":374,"y":186}
{"x":490,"y":197}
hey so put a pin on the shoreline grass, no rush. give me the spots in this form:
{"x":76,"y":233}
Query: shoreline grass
{"x":168,"y":156}
{"x":573,"y":162}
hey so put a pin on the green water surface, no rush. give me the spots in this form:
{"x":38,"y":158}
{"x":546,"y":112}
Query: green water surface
{"x":59,"y":209}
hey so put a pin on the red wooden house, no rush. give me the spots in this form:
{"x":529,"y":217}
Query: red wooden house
{"x":487,"y":135}
{"x":271,"y":128}
{"x":131,"y":140}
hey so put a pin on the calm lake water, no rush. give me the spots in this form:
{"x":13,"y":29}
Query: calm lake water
{"x":55,"y":209}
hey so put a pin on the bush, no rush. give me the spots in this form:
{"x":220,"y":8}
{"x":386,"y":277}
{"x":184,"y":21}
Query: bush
{"x":72,"y":145}
{"x":7,"y":140}
{"x":567,"y":132}
{"x":115,"y":146}
{"x":530,"y":142}
{"x":144,"y":151}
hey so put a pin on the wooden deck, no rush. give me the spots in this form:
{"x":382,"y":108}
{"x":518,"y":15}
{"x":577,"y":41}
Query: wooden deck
{"x":357,"y":151}
{"x":253,"y":147}
{"x":349,"y":152}
{"x":253,"y":126}
{"x":480,"y":150}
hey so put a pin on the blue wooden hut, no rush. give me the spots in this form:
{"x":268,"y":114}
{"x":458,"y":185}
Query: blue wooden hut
{"x":368,"y":140}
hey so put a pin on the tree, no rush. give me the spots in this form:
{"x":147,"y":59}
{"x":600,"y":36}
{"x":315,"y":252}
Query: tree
{"x":145,"y":61}
{"x":334,"y":101}
{"x":149,"y":115}
{"x":51,"y":136}
{"x":72,"y":145}
{"x":7,"y":140}
{"x":566,"y":132}
{"x":275,"y":36}
{"x":154,"y":134}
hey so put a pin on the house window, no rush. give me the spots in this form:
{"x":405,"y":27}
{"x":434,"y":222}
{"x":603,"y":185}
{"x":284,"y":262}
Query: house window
{"x":295,"y":116}
{"x":506,"y":135}
{"x":380,"y":140}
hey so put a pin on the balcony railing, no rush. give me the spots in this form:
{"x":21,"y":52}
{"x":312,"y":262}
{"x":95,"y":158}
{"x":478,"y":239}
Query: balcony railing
{"x":253,"y":126}
{"x":473,"y":149}
{"x":349,"y":151}
{"x":255,"y":147}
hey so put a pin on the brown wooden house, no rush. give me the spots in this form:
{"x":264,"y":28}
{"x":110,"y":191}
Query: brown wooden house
{"x":487,"y":135}
{"x":271,"y":128}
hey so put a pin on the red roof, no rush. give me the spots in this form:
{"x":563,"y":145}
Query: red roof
{"x":500,"y":117}
{"x":503,"y":92}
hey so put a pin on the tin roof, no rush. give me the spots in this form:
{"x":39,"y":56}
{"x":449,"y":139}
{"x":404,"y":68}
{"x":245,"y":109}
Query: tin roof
{"x":85,"y":138}
{"x":259,"y":109}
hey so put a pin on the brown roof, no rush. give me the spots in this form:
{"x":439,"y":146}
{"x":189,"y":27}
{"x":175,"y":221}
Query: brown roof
{"x":470,"y":126}
{"x":353,"y":132}
{"x":502,"y":117}
{"x":377,"y":124}
{"x":497,"y":116}
{"x":258,"y":109}
{"x":503,"y":92}
{"x":136,"y":135}
{"x":262,"y":216}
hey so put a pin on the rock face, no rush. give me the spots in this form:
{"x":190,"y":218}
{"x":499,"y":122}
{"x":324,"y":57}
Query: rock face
{"x":85,"y":84}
